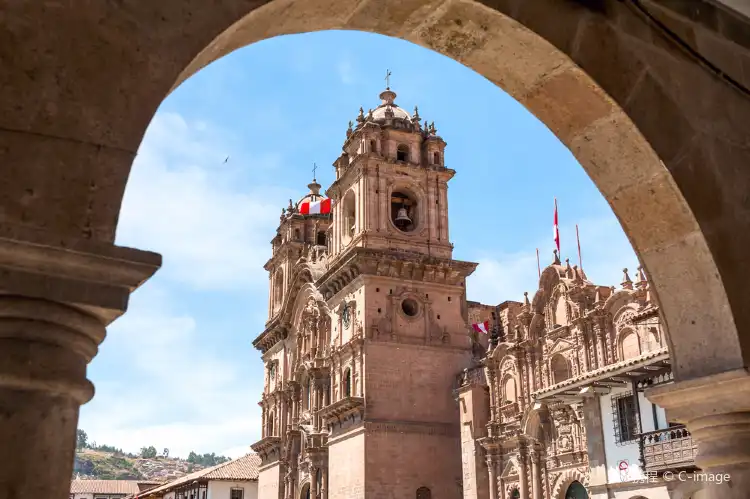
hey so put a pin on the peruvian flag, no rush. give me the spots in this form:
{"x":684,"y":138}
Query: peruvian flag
{"x":482,"y":327}
{"x":322,"y":207}
{"x":556,"y":230}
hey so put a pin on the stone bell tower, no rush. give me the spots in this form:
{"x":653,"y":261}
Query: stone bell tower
{"x":398,"y":313}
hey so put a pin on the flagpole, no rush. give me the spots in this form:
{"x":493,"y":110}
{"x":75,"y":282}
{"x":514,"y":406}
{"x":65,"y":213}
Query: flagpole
{"x":538,"y":266}
{"x":578,"y":240}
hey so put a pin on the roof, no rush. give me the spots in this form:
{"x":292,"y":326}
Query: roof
{"x":108,"y":486}
{"x":242,"y":469}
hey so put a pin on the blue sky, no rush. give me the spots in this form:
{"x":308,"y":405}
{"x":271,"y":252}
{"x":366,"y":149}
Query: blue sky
{"x":179,"y":370}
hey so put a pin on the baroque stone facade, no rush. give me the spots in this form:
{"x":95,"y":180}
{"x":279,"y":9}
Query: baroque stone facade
{"x":367,"y":325}
{"x":533,"y":401}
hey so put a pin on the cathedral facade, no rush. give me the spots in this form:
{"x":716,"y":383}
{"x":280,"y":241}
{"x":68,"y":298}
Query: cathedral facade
{"x":377,"y":385}
{"x":367,"y":325}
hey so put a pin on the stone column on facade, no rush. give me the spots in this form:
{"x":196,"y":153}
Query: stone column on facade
{"x":313,"y":482}
{"x":523,"y":477}
{"x":493,"y":394}
{"x":324,"y":483}
{"x":536,"y":476}
{"x":594,"y":427}
{"x":716,"y":411}
{"x":601,"y":346}
{"x":492,"y":472}
{"x":54,"y":306}
{"x":530,"y":372}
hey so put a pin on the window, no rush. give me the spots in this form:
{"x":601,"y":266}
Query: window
{"x":296,"y":235}
{"x":269,"y":424}
{"x":630,"y":345}
{"x":402,"y":152}
{"x":424,"y":493}
{"x":348,"y":383}
{"x":436,"y":158}
{"x":321,"y":241}
{"x":236,"y":494}
{"x":515,"y":494}
{"x":372,"y":146}
{"x":410,"y":307}
{"x":560,"y":369}
{"x":624,"y":418}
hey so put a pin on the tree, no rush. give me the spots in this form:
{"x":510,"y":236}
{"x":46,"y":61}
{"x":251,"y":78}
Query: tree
{"x":148,"y":452}
{"x":166,"y":452}
{"x":82,"y":439}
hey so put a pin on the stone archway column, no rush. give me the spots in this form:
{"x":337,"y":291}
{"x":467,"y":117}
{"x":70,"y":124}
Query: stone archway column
{"x":716,"y":411}
{"x":492,"y":472}
{"x":54,"y":306}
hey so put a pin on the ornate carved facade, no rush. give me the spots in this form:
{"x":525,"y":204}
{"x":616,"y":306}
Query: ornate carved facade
{"x":367,"y":325}
{"x":540,"y":384}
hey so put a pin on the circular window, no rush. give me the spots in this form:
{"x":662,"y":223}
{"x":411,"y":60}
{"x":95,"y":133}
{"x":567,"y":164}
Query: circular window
{"x":410,"y":307}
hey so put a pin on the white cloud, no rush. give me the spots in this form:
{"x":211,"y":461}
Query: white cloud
{"x":346,"y":71}
{"x":183,"y":201}
{"x":505,"y":276}
{"x":175,"y":390}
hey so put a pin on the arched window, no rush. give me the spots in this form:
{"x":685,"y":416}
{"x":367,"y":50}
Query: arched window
{"x":348,"y":383}
{"x":576,"y":491}
{"x":305,"y":492}
{"x":436,"y":158}
{"x":424,"y":493}
{"x":372,"y":146}
{"x":559,"y":368}
{"x":321,"y":238}
{"x":297,"y":235}
{"x":509,"y":390}
{"x":402,"y":152}
{"x":561,"y":312}
{"x":515,"y":494}
{"x":278,"y":288}
{"x":653,"y":339}
{"x":269,"y":424}
{"x":350,"y":216}
{"x":630,"y":345}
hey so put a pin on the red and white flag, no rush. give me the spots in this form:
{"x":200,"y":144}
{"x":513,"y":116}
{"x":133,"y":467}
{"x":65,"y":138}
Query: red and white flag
{"x":322,"y":207}
{"x":556,"y":230}
{"x":482,"y":327}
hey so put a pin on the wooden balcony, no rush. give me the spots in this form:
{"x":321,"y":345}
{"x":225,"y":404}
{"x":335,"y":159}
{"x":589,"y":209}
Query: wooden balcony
{"x":671,"y":449}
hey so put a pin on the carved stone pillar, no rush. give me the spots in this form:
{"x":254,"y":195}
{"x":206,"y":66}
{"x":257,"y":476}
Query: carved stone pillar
{"x":313,"y":482}
{"x":493,"y":394}
{"x":492,"y":472}
{"x":54,"y":306}
{"x":523,"y":477}
{"x":536,"y":476}
{"x":716,"y":411}
{"x":324,"y":483}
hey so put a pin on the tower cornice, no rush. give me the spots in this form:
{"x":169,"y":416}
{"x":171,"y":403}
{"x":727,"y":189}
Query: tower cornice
{"x":397,"y":264}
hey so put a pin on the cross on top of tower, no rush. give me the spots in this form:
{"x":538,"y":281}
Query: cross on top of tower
{"x":388,"y":79}
{"x":315,"y":167}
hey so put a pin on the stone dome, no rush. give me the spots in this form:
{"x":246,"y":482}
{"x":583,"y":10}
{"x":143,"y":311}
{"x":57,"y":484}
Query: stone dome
{"x":381,"y":113}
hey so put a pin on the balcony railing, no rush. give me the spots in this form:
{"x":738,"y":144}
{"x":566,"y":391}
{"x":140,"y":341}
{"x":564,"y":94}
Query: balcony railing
{"x":668,"y":450}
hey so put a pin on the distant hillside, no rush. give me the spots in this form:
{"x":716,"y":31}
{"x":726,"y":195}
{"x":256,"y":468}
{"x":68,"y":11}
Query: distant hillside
{"x":104,"y":462}
{"x":103,"y":465}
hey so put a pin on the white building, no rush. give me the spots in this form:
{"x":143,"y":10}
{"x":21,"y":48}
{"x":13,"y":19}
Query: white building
{"x":237,"y":479}
{"x":107,"y":489}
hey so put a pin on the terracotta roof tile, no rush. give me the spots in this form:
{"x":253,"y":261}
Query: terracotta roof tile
{"x":107,"y":486}
{"x":244,"y":468}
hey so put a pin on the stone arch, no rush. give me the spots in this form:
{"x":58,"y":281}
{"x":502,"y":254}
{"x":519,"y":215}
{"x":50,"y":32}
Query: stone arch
{"x":564,"y":480}
{"x":304,"y":492}
{"x":559,"y":368}
{"x":576,"y":89}
{"x":270,"y":423}
{"x":346,"y":388}
{"x":509,"y":389}
{"x":628,"y":343}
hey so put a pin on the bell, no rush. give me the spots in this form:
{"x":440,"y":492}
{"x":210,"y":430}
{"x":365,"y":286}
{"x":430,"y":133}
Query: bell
{"x":402,"y":219}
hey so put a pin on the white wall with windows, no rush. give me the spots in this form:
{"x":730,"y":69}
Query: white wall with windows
{"x":621,"y":430}
{"x":232,"y":490}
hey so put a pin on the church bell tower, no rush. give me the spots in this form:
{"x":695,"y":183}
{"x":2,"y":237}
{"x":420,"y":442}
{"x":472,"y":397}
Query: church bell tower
{"x":398,"y":312}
